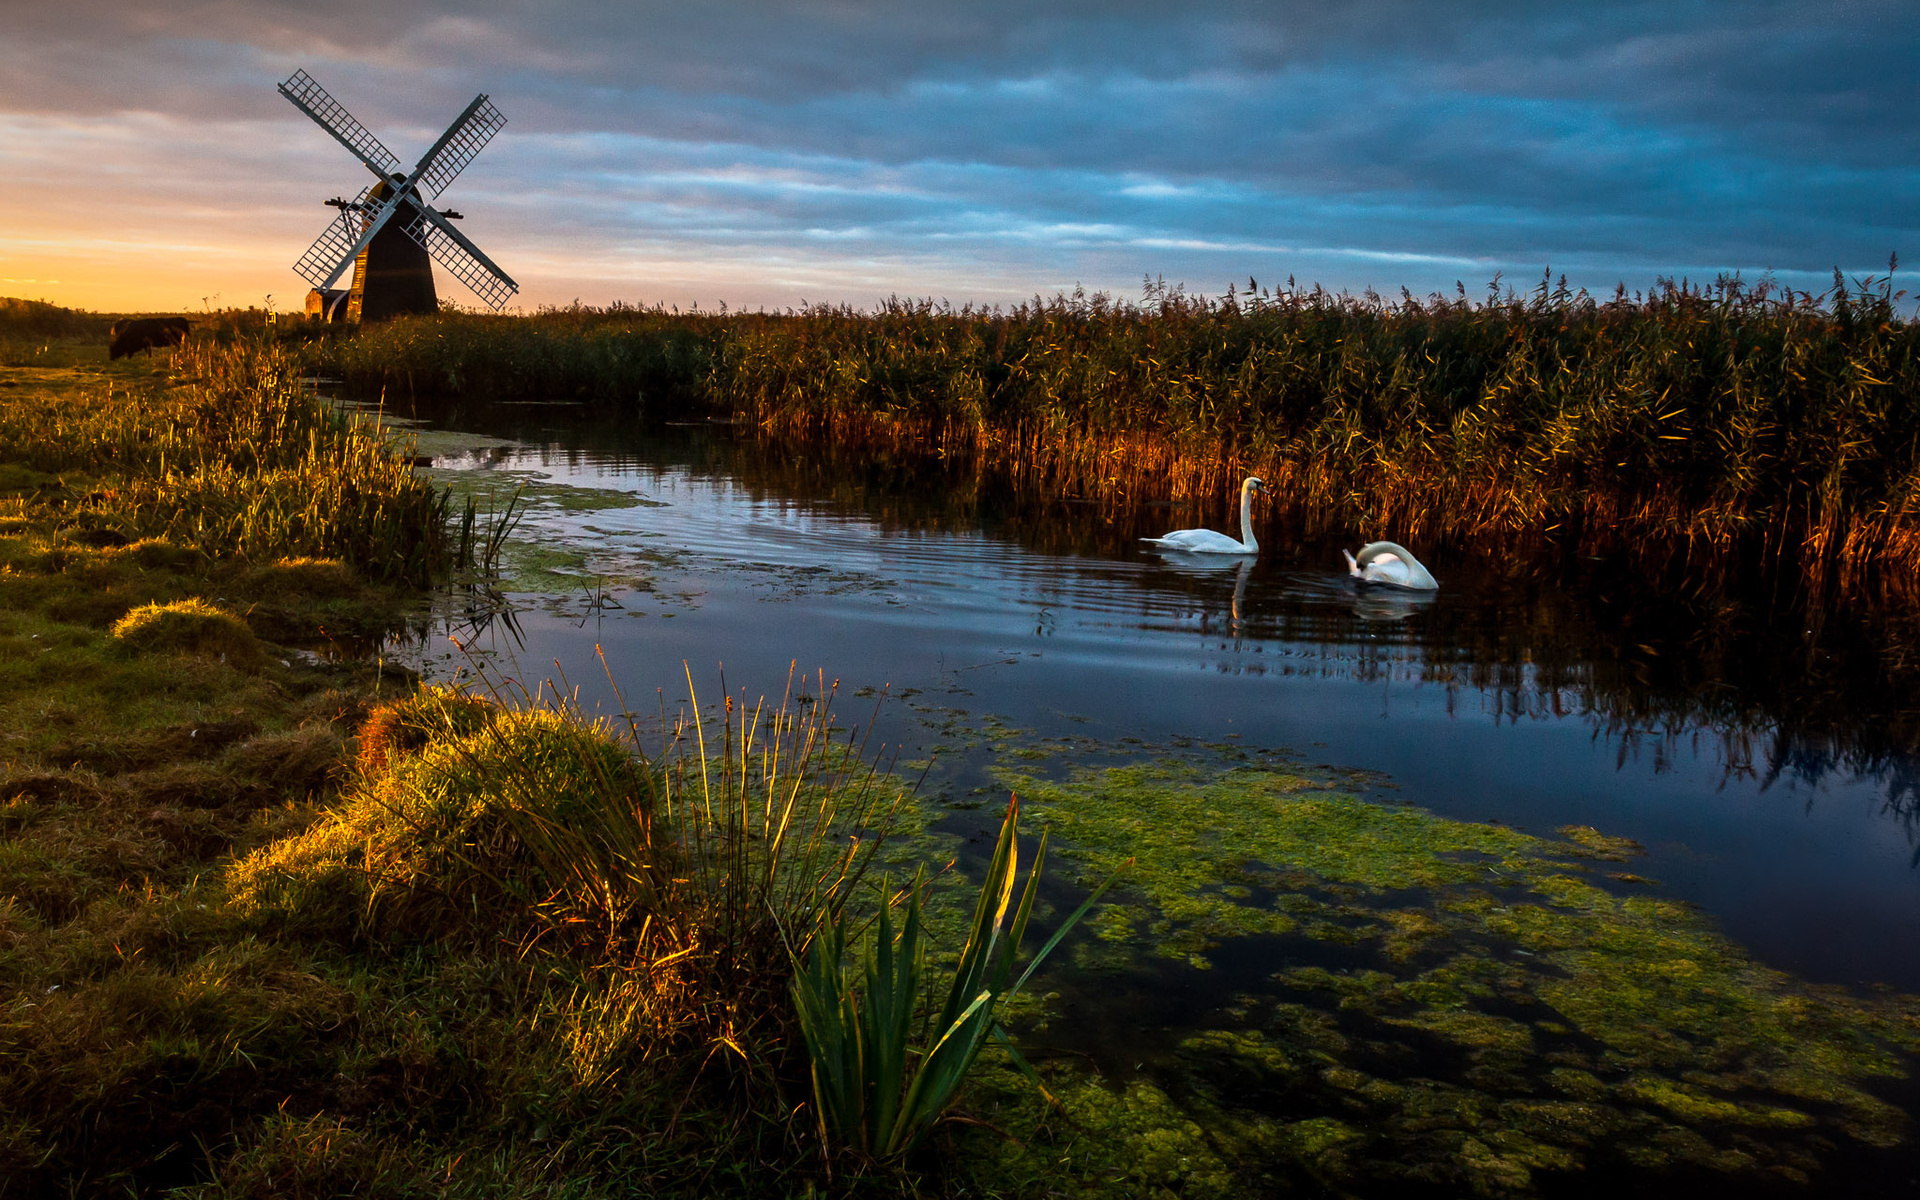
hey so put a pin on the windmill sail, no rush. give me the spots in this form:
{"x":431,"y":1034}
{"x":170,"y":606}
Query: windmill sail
{"x":309,"y":97}
{"x":333,"y":251}
{"x":462,"y":259}
{"x":459,"y":144}
{"x":364,"y":220}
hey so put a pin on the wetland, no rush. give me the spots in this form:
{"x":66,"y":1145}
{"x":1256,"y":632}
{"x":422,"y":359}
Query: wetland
{"x":1541,"y":883}
{"x":392,"y":803}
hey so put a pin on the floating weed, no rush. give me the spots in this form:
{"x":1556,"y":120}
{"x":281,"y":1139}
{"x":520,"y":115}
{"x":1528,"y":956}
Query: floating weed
{"x":1492,"y":1018}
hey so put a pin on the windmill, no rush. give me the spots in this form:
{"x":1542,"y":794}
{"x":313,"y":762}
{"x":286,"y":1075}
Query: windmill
{"x":388,"y":233}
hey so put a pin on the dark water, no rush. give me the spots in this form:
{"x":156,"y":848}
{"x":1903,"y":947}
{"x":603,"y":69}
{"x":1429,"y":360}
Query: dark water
{"x":1766,"y":762}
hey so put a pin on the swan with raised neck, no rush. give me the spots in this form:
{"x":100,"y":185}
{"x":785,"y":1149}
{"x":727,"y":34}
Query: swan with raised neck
{"x":1206,"y":541}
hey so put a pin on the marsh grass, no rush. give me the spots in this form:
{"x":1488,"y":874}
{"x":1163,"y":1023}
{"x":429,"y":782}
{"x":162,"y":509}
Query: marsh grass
{"x":234,"y":458}
{"x":1706,"y":431}
{"x":143,"y":1031}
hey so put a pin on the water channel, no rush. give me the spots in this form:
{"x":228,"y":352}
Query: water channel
{"x":1763,"y":763}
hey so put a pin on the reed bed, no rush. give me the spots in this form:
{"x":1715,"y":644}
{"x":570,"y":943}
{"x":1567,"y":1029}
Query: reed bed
{"x":237,"y":457}
{"x":630,"y":356}
{"x":1699,"y":427}
{"x":1705,"y":430}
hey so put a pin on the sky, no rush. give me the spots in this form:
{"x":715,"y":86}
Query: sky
{"x":842,"y":151}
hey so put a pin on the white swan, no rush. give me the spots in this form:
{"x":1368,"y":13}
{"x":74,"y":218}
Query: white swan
{"x":1391,"y":564}
{"x":1206,"y":541}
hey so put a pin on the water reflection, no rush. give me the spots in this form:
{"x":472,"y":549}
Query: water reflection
{"x":1783,"y":693}
{"x":1537,"y":688}
{"x":1388,"y":604}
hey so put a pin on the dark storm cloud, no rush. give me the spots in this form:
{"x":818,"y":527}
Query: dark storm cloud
{"x":1403,"y":138}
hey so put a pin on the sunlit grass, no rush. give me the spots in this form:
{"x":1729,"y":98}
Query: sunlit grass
{"x":233,"y":457}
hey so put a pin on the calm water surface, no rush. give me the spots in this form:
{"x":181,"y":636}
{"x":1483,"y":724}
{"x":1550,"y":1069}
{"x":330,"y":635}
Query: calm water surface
{"x":1522,"y":701}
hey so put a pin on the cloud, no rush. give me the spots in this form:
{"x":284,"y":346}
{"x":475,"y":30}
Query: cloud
{"x":992,"y":149}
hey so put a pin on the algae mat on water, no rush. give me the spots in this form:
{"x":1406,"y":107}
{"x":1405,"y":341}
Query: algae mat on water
{"x":1453,"y":1005}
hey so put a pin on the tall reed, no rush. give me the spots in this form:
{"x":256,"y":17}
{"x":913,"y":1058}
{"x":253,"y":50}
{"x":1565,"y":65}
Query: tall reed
{"x":1693,"y":425}
{"x":1700,"y":429}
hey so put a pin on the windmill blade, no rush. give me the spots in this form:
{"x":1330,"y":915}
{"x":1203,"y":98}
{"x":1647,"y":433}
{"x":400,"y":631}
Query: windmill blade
{"x":340,"y":243}
{"x":458,"y":145}
{"x":332,"y":250}
{"x":310,"y":98}
{"x":462,"y":259}
{"x":329,"y":254}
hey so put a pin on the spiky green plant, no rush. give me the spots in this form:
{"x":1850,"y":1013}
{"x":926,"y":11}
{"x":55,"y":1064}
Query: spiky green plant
{"x":884,"y":1068}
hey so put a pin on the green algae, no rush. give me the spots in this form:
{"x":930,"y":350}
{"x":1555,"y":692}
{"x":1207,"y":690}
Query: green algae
{"x":1511,"y":1018}
{"x":527,"y":566}
{"x":1203,"y":841}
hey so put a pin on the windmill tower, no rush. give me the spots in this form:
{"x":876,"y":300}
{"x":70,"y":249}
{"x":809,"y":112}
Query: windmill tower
{"x":389,"y":233}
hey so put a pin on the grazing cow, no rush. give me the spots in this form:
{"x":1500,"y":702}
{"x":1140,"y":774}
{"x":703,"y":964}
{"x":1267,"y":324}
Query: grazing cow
{"x":144,"y":333}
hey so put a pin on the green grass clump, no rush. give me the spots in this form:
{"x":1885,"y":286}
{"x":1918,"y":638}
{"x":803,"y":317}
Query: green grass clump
{"x":404,"y":726}
{"x":432,"y":840}
{"x":192,"y":626}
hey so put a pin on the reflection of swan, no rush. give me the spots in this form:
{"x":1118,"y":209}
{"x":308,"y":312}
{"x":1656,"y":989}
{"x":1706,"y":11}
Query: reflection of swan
{"x":1391,"y":564}
{"x":1240,"y":591}
{"x":1389,"y":604}
{"x":1206,"y":541}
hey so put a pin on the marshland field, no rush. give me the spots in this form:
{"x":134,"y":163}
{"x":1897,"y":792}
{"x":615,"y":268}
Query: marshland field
{"x":571,"y":754}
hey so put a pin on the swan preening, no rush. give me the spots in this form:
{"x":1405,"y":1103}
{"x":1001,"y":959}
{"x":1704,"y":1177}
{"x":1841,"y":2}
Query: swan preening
{"x":1206,"y":541}
{"x":1390,"y":563}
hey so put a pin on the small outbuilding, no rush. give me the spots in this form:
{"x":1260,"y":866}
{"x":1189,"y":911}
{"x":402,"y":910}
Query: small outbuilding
{"x":329,"y":304}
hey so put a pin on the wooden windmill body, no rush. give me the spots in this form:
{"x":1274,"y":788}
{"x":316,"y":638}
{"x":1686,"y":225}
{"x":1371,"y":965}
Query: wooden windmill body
{"x":394,"y":273}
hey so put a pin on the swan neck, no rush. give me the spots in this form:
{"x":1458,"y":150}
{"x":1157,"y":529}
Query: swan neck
{"x":1246,"y":517}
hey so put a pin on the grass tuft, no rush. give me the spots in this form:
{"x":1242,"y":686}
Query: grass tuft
{"x":192,"y":626}
{"x":404,"y":726}
{"x":429,"y":842}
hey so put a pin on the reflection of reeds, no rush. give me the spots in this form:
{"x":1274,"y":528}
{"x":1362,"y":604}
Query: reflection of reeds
{"x":1693,"y":427}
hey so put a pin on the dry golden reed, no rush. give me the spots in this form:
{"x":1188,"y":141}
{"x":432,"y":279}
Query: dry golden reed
{"x":1701,"y":429}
